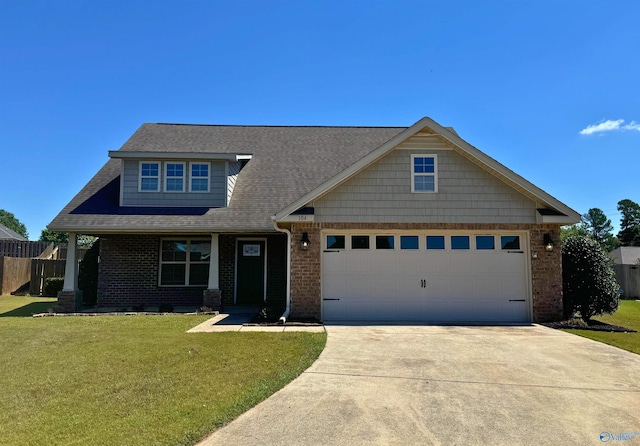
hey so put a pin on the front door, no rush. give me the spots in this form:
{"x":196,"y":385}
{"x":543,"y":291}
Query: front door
{"x":250,"y":272}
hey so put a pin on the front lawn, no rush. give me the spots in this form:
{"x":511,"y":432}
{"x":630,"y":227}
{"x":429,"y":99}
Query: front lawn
{"x":133,"y":380}
{"x":628,"y":315}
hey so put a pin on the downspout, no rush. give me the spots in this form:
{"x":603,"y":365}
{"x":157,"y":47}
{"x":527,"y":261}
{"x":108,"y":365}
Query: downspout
{"x":285,"y":315}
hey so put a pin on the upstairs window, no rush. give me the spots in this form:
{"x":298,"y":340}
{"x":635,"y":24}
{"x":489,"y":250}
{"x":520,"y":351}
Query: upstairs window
{"x":174,"y":177}
{"x":424,"y":173}
{"x":199,"y":177}
{"x":149,"y":177}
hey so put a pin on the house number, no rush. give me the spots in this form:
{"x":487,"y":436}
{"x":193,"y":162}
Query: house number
{"x":302,"y":218}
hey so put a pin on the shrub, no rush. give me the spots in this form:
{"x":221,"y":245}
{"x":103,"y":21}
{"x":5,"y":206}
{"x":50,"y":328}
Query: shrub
{"x":52,"y":286}
{"x":588,"y":281}
{"x":88,"y":275}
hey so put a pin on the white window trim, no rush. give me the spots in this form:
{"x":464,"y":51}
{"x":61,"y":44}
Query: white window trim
{"x":187,"y":262}
{"x":140,"y":163}
{"x":208,"y":177}
{"x":166,"y":177}
{"x":434,"y":174}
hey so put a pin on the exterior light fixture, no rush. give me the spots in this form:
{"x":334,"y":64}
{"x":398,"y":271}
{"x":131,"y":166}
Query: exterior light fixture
{"x":548,"y":243}
{"x":305,"y":242}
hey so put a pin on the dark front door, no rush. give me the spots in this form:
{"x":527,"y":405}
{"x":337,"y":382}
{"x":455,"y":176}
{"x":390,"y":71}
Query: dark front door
{"x":250,"y":273}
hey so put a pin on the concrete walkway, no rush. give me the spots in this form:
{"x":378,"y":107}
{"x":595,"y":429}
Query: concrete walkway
{"x":235,"y":318}
{"x":421,"y":385}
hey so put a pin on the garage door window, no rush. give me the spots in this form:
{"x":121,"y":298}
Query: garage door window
{"x":459,"y":242}
{"x":408,"y":242}
{"x":510,"y":242}
{"x":335,"y":241}
{"x":359,"y":242}
{"x":435,"y":242}
{"x":485,"y":242}
{"x":385,"y":241}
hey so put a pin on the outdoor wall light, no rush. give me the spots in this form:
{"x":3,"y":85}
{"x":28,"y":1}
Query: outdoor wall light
{"x":548,"y":242}
{"x":305,"y":242}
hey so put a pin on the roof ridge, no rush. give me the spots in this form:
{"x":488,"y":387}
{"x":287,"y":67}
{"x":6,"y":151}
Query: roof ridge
{"x":280,"y":126}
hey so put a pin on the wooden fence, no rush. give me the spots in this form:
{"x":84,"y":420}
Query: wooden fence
{"x":629,"y":279}
{"x":22,"y":249}
{"x":15,"y":273}
{"x":41,"y":270}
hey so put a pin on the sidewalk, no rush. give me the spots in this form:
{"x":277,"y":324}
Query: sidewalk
{"x":236,"y":318}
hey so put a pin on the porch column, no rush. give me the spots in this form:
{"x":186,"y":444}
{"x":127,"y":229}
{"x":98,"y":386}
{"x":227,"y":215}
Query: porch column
{"x":70,"y":298}
{"x":71,"y":268}
{"x":212,"y":296}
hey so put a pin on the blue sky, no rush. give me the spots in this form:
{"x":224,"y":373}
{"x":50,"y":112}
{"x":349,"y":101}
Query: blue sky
{"x":548,"y":88}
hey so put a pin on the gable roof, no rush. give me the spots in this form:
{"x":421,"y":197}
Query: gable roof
{"x":289,"y":167}
{"x":10,"y":234}
{"x":626,"y":255}
{"x":286,"y":163}
{"x":560,"y":213}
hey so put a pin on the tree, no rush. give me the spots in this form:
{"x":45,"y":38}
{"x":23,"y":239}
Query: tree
{"x":61,"y":237}
{"x":589,"y":283}
{"x":572,"y":231}
{"x":10,"y":221}
{"x":629,"y":234}
{"x":599,"y":227}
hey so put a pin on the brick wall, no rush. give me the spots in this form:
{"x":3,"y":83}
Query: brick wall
{"x":128,"y":274}
{"x":129,"y":268}
{"x":546,"y":267}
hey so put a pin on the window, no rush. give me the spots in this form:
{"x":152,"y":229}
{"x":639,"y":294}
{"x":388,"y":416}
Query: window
{"x":335,"y":241}
{"x":510,"y":242}
{"x":174,"y":177}
{"x":149,"y":177}
{"x":199,"y":177}
{"x":435,"y":241}
{"x":359,"y":242}
{"x":185,"y":262}
{"x":408,"y":242}
{"x":485,"y":242}
{"x":385,"y":241}
{"x":424,"y":173}
{"x":459,"y":242}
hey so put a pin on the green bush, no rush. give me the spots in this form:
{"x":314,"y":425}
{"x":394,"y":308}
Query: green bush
{"x":589,"y":283}
{"x":88,"y":275}
{"x":52,"y":286}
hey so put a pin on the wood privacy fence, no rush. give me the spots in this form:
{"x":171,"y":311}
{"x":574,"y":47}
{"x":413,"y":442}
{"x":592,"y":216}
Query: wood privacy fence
{"x":629,"y":279}
{"x":22,"y":249}
{"x":41,"y":270}
{"x":15,"y":273}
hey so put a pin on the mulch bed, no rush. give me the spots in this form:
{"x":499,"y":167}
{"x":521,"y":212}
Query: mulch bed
{"x":593,"y":325}
{"x":271,"y":316}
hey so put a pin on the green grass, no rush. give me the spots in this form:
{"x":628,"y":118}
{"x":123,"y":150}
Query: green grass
{"x":628,"y":315}
{"x":133,"y":380}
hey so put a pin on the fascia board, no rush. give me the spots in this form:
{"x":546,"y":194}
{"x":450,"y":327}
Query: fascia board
{"x":179,"y":155}
{"x":353,"y":169}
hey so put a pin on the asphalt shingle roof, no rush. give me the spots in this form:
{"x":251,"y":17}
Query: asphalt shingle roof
{"x":10,"y":234}
{"x":287,"y":162}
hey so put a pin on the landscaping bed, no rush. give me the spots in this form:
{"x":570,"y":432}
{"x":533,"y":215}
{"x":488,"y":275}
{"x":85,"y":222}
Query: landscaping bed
{"x":593,"y":325}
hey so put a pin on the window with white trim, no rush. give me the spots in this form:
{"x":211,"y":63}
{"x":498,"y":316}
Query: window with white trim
{"x":185,"y":262}
{"x":174,"y":177}
{"x":199,"y":180}
{"x":424,"y":173}
{"x":149,"y":177}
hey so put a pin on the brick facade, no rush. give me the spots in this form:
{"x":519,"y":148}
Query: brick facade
{"x":129,"y":268}
{"x":546,"y":267}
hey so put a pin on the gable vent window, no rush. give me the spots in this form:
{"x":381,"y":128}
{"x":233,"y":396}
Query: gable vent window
{"x":424,"y":173}
{"x":174,"y":177}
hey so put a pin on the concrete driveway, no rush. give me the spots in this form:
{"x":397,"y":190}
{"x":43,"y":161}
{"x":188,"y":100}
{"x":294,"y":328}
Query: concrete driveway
{"x":402,"y":385}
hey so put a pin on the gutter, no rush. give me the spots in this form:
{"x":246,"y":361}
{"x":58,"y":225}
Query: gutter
{"x":285,"y":315}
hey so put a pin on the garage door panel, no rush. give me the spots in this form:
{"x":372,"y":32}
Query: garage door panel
{"x":426,"y":285}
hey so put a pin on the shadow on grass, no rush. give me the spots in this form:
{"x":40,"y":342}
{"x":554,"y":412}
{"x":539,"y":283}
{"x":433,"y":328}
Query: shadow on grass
{"x":29,"y":309}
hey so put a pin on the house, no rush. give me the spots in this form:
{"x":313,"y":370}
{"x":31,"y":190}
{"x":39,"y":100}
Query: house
{"x":10,"y":234}
{"x":626,"y":264}
{"x":334,"y":223}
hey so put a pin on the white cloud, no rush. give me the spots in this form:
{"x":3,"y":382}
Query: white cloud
{"x":605,"y":126}
{"x":609,"y":126}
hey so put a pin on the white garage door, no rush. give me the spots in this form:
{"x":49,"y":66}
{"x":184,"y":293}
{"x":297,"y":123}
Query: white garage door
{"x":431,"y":277}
